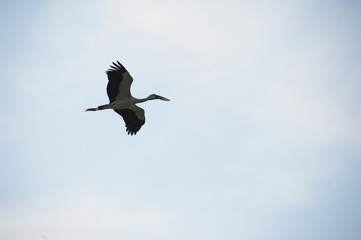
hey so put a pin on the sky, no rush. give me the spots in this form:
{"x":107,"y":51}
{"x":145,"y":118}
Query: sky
{"x":260,"y":141}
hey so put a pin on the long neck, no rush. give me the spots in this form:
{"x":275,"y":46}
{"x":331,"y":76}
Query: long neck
{"x":140,"y":100}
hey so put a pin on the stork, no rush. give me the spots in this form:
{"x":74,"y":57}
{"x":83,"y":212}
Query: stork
{"x":122,"y":101}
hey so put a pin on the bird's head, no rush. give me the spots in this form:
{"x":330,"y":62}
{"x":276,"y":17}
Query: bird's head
{"x":155,"y":96}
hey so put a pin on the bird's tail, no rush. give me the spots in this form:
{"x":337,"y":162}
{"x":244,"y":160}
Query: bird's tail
{"x":92,"y":109}
{"x":102,"y":107}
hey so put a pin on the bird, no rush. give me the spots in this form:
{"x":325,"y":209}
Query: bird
{"x":121,"y":99}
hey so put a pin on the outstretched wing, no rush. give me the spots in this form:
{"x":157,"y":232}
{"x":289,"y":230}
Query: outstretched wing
{"x":119,"y":82}
{"x":133,"y":117}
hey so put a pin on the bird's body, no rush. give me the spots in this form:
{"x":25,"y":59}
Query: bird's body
{"x":121,"y":100}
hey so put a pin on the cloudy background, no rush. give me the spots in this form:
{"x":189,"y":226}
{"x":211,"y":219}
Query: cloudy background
{"x":261,"y":139}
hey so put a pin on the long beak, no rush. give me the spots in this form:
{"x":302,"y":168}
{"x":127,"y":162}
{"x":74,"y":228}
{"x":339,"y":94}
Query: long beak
{"x":162,"y":98}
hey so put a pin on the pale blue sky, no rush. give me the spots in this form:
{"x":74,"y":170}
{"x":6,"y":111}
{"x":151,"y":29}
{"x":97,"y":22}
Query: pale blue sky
{"x":261,"y":138}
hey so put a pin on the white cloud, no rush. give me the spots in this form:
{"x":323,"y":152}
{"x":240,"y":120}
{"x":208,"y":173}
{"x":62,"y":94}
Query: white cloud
{"x":260,"y":119}
{"x":79,"y":215}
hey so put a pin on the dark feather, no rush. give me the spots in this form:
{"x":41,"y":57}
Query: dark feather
{"x":132,"y":123}
{"x":115,"y":77}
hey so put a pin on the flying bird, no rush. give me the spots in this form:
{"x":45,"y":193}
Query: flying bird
{"x":122,"y":101}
